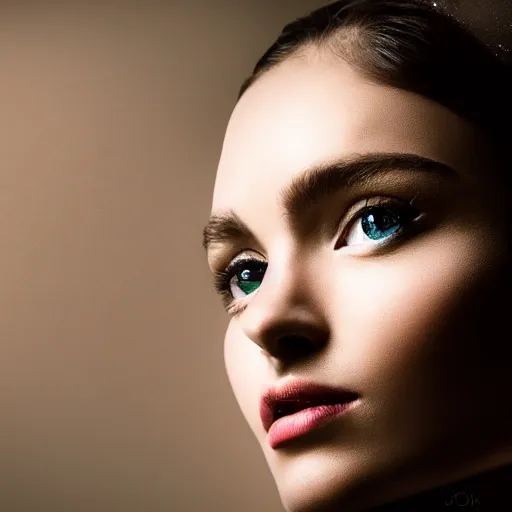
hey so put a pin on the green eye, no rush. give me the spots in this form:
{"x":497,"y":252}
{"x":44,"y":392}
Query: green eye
{"x":248,"y":281}
{"x":245,"y":276}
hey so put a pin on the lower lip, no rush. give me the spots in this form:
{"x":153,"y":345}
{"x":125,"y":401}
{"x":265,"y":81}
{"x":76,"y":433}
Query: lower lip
{"x":298,"y":424}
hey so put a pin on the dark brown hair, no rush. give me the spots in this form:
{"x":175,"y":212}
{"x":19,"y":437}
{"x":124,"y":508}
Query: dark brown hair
{"x":410,"y":45}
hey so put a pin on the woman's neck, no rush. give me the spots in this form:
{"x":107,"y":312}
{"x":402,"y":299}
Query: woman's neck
{"x":488,"y":491}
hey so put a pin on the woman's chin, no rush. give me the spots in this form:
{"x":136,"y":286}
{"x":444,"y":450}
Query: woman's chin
{"x":321,"y":480}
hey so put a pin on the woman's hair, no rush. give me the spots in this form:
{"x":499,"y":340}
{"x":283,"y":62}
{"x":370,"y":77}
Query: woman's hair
{"x":410,"y":45}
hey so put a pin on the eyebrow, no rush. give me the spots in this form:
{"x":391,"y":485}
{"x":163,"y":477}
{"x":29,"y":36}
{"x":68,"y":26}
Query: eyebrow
{"x":315,"y":183}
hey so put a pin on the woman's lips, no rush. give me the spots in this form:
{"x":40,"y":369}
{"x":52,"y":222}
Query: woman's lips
{"x":303,"y":406}
{"x":299,"y":423}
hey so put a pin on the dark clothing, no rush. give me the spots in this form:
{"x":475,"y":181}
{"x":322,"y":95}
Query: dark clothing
{"x":490,"y":491}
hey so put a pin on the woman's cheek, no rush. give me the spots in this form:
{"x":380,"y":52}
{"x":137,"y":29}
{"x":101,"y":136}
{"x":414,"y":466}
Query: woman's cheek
{"x":386,"y":310}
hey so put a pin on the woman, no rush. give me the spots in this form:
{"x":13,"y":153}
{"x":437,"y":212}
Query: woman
{"x":359,"y":240}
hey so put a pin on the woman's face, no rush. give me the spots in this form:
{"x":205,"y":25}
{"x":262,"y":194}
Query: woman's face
{"x":400,"y":303}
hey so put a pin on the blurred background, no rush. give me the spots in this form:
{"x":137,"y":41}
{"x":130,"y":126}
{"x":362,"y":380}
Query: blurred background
{"x":113,"y":393}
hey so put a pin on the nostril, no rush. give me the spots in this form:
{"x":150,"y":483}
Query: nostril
{"x":294,"y":346}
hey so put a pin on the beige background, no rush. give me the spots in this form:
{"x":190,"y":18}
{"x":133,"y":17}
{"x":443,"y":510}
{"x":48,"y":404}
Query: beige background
{"x":113,"y":393}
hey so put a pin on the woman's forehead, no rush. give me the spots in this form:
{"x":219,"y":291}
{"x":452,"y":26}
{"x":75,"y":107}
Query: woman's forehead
{"x":305,"y":112}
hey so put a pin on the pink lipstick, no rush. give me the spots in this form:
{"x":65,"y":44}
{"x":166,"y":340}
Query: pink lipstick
{"x":296,"y":407}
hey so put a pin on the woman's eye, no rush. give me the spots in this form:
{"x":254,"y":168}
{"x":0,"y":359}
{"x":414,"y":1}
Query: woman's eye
{"x":245,"y":277}
{"x":376,"y":224}
{"x":240,"y":278}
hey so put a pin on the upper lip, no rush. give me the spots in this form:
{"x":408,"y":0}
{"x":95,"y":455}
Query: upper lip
{"x":297,"y":395}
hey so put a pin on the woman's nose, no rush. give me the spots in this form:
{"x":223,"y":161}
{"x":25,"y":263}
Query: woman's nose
{"x":286,"y":317}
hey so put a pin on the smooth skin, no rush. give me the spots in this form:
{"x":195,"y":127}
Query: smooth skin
{"x":415,"y":328}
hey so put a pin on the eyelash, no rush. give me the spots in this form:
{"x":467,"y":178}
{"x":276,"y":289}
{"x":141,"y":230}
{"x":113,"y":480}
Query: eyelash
{"x":407,"y":215}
